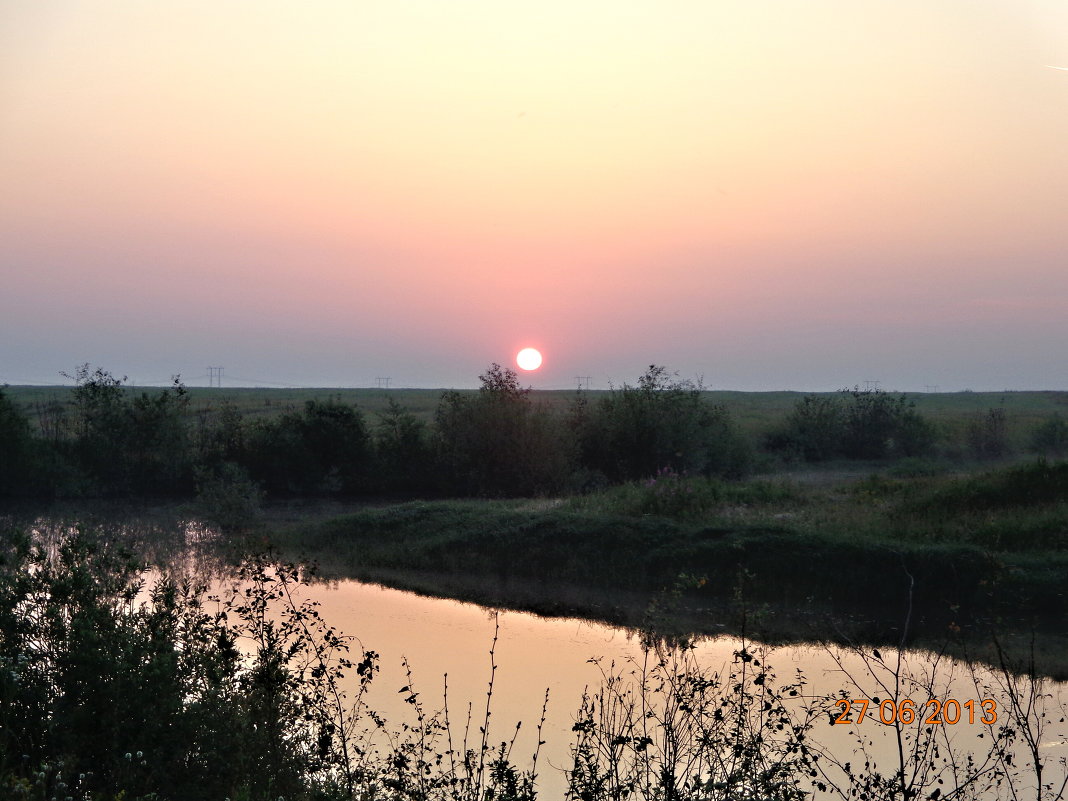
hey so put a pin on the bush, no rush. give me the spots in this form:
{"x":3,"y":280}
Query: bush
{"x":404,"y":459}
{"x":220,"y":436}
{"x":662,"y":423}
{"x":130,"y":445}
{"x":987,"y":435}
{"x":108,"y":697}
{"x":855,"y":424}
{"x":19,"y":454}
{"x":1050,"y":438}
{"x":498,"y":442}
{"x":323,"y":450}
{"x":227,"y":497}
{"x":815,"y":428}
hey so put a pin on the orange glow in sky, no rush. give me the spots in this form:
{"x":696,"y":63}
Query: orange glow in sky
{"x":769,"y":193}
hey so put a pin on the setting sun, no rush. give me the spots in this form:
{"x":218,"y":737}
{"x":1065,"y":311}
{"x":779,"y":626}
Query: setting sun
{"x":528,"y":359}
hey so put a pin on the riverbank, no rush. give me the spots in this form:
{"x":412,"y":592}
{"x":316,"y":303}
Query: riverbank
{"x":920,"y":560}
{"x":938,"y":561}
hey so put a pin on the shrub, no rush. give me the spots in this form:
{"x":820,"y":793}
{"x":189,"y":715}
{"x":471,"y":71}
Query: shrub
{"x":855,"y":424}
{"x":220,"y":435}
{"x":661,"y":423}
{"x":815,"y":428}
{"x":130,"y":444}
{"x":404,"y":459}
{"x":499,"y":442}
{"x":325,"y":449}
{"x":227,"y":497}
{"x":18,"y":451}
{"x":1050,"y":438}
{"x":987,"y":435}
{"x":879,"y":425}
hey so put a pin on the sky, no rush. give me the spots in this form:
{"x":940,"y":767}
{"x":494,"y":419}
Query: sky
{"x":766,"y":194}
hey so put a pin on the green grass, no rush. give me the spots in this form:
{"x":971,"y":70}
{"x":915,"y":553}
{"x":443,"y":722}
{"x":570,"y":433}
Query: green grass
{"x":755,"y":412}
{"x":688,"y":554}
{"x":857,"y":549}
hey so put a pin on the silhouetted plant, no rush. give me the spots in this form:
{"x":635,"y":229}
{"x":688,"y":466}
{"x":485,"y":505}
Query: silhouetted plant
{"x":1050,"y":438}
{"x":130,"y":444}
{"x":987,"y":434}
{"x":163,"y":698}
{"x":499,"y":442}
{"x":665,"y":728}
{"x":431,"y":760}
{"x":20,"y":469}
{"x":854,"y":424}
{"x":404,"y":458}
{"x":1031,"y":713}
{"x":325,"y":449}
{"x":662,"y":422}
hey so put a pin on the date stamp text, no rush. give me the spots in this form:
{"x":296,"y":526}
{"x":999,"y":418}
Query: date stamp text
{"x":934,"y":712}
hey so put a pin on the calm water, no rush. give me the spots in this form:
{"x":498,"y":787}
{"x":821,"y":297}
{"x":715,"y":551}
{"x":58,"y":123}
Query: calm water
{"x":444,"y":637}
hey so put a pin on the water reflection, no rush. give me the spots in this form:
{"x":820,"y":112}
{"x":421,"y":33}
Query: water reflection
{"x":449,"y":638}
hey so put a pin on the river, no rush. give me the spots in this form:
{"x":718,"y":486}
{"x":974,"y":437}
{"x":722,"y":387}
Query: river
{"x":441,"y":638}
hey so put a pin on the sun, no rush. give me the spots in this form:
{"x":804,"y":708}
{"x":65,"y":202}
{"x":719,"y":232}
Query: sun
{"x":528,"y":359}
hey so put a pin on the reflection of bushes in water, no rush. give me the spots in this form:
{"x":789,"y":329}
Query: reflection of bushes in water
{"x":227,"y":497}
{"x":242,"y":696}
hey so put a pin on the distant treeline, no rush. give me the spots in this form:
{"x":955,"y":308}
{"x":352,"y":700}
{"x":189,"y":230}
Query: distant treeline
{"x":111,"y":441}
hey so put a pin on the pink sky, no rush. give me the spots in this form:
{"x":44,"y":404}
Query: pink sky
{"x":769,"y":193}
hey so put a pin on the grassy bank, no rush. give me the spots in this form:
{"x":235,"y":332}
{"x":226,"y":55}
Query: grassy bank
{"x":948,"y":553}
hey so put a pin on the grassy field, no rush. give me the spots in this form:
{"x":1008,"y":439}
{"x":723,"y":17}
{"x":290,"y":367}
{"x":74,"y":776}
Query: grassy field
{"x":755,"y":412}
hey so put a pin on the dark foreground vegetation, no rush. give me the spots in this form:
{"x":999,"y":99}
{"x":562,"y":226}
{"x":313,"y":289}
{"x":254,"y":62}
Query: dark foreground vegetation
{"x":114,"y":688}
